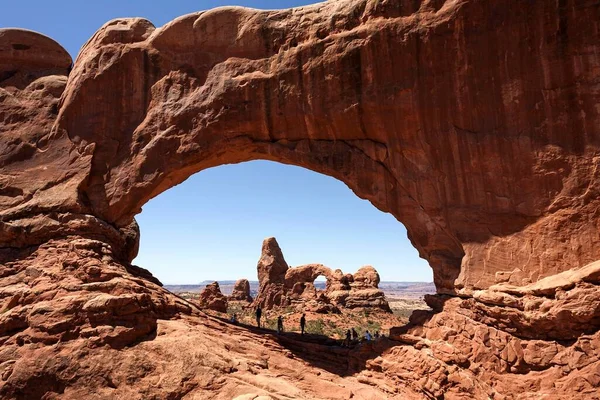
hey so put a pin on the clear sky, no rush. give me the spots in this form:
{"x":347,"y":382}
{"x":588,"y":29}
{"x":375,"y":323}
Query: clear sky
{"x":212,"y":225}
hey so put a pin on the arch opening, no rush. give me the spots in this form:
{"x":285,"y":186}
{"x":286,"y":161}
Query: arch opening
{"x":350,"y":163}
{"x":316,"y":220}
{"x":219,"y":217}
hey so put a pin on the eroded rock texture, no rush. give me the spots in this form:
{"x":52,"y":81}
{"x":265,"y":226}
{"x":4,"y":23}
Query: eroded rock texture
{"x":475,"y":123}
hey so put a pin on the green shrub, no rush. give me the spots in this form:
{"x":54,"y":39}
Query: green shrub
{"x":315,"y":326}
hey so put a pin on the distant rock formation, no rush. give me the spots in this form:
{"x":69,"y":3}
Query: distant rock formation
{"x":360,"y":290}
{"x":212,"y":298}
{"x":241,"y":291}
{"x":281,"y":286}
{"x":271,"y":270}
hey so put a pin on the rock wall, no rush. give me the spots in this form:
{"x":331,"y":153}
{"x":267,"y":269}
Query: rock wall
{"x":475,"y":123}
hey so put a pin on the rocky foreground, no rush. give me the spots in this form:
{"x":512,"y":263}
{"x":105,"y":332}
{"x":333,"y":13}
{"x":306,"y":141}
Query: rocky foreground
{"x":87,"y":327}
{"x":475,"y":123}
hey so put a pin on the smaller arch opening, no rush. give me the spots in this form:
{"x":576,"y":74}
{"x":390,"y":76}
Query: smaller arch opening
{"x":320,"y":283}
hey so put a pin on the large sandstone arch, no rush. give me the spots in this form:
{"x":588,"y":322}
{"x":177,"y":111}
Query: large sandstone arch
{"x":469,"y":138}
{"x":473,"y":123}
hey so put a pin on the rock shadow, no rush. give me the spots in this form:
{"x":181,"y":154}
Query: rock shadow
{"x":327,"y":353}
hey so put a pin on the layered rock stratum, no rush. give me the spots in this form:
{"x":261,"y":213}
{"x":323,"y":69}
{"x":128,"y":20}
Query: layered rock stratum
{"x":475,"y":123}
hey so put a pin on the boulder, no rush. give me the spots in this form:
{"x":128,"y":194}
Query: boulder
{"x":241,"y":291}
{"x":365,"y":277}
{"x":212,"y":298}
{"x":365,"y":292}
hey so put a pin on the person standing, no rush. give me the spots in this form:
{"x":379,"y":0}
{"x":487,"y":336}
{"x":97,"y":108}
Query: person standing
{"x":279,"y":324}
{"x":348,"y":336}
{"x":258,"y":315}
{"x":302,"y":323}
{"x":354,"y":334}
{"x":368,"y":336}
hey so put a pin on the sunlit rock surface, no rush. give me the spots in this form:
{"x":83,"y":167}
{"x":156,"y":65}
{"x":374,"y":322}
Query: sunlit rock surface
{"x":475,"y":123}
{"x":241,"y":291}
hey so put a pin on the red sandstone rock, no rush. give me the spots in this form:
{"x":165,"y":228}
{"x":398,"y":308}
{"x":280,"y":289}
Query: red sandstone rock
{"x":241,"y":291}
{"x":473,"y":123}
{"x":27,"y":56}
{"x":212,"y":298}
{"x":271,"y":266}
{"x":364,"y":291}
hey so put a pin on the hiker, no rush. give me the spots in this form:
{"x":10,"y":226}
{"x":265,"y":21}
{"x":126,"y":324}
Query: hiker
{"x":302,"y":323}
{"x":348,"y":338}
{"x":279,"y":324}
{"x":258,"y":315}
{"x":234,"y":319}
{"x":377,"y":335}
{"x":354,"y":334}
{"x":368,"y":336}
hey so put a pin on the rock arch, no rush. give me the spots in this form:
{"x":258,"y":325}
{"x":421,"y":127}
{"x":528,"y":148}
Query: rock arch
{"x":482,"y":168}
{"x":473,"y":123}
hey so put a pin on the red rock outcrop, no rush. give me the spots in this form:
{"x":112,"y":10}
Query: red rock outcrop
{"x":241,"y":291}
{"x":211,"y":297}
{"x":364,"y":291}
{"x":479,"y":211}
{"x":475,"y":123}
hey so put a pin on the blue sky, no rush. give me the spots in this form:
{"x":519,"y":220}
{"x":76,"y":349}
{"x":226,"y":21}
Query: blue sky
{"x":212,"y":225}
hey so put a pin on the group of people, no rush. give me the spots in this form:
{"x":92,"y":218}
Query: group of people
{"x":352,"y":337}
{"x":258,"y":314}
{"x":351,"y":334}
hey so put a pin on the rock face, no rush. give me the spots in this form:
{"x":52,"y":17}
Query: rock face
{"x":281,"y":286}
{"x":241,"y":291}
{"x":29,"y":58}
{"x":212,"y":298}
{"x":475,"y":123}
{"x":271,"y":267}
